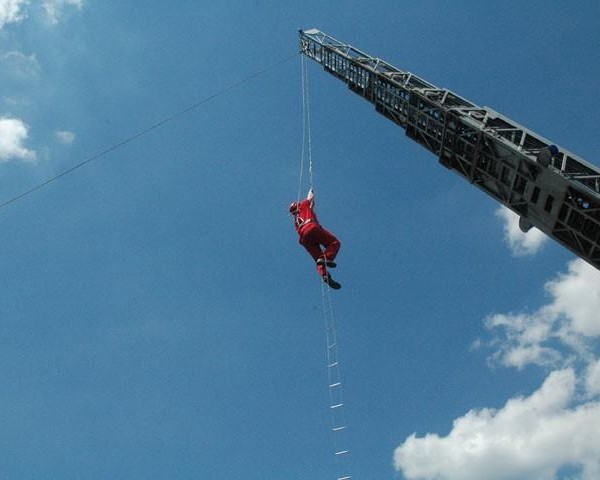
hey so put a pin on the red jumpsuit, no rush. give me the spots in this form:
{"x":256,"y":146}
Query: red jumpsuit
{"x":313,"y":236}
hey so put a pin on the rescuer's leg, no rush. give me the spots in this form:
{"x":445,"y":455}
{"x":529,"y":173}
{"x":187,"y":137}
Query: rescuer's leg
{"x":332,"y":247}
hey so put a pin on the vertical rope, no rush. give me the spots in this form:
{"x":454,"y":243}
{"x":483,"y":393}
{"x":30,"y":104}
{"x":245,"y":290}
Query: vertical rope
{"x":334,"y":376}
{"x":306,"y":130}
{"x":303,"y":154}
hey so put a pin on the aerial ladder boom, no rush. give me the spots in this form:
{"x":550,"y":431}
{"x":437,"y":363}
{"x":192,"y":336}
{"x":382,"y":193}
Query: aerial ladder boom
{"x":557,"y":193}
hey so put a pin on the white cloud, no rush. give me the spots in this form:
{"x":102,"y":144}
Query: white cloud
{"x":592,"y":379}
{"x":570,"y":320}
{"x":531,"y":437}
{"x":54,"y":9}
{"x":65,"y":136}
{"x":11,"y":11}
{"x":555,"y":428}
{"x":13,"y":133}
{"x":577,"y":296}
{"x":520,"y":243}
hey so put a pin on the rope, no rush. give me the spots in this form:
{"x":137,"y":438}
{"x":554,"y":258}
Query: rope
{"x":302,"y":153}
{"x":145,"y":131}
{"x":334,"y":376}
{"x":306,"y":130}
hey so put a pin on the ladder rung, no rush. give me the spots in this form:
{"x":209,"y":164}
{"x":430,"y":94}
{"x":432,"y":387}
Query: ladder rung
{"x":338,"y":405}
{"x":345,"y":478}
{"x":334,"y":364}
{"x":336,"y":384}
{"x":337,"y":429}
{"x":342,"y":452}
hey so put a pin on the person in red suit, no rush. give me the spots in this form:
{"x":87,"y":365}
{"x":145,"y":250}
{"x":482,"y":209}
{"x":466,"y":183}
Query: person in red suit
{"x":321,"y":244}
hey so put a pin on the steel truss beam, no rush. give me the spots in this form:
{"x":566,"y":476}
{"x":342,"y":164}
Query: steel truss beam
{"x":560,"y":197}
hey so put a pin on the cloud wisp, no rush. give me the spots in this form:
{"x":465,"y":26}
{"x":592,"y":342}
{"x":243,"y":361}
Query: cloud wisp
{"x":54,"y":9}
{"x":564,"y":330}
{"x":19,"y":66}
{"x":521,"y":244}
{"x":14,"y":11}
{"x":65,"y":136}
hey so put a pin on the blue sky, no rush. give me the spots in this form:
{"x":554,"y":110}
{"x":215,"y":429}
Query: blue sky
{"x":158,"y":317}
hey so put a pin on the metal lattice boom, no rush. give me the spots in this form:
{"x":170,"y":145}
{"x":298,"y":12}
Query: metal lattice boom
{"x":560,"y":194}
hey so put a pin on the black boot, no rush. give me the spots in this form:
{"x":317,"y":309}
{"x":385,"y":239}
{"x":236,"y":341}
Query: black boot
{"x":331,"y":282}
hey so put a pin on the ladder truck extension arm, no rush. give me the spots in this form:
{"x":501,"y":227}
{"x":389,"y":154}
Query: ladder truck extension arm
{"x":558,"y":193}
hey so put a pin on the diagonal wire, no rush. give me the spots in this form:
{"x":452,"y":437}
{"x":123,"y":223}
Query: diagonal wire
{"x":143,"y":132}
